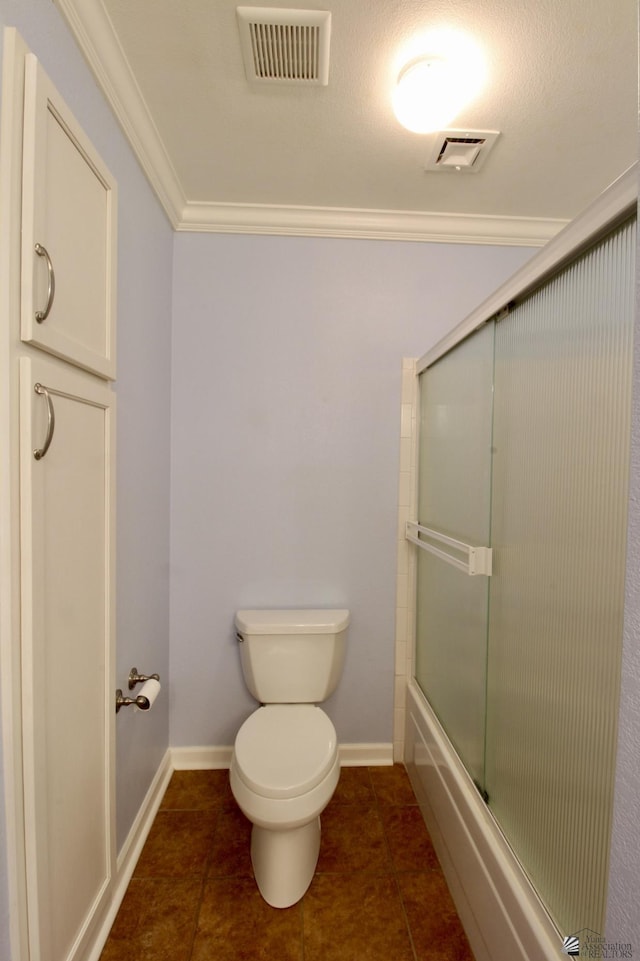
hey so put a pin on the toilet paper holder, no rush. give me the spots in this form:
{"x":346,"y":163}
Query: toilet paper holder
{"x":141,"y":701}
{"x":135,"y":678}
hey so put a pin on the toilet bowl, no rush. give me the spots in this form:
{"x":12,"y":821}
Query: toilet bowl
{"x":284,"y":771}
{"x":285,"y":766}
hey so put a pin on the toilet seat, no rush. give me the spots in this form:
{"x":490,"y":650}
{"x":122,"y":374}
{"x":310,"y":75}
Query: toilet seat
{"x":285,"y":750}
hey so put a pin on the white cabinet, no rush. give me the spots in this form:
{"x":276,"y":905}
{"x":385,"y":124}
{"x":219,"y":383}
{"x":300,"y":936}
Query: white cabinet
{"x":57,"y":553}
{"x":68,"y":696}
{"x":69,"y":234}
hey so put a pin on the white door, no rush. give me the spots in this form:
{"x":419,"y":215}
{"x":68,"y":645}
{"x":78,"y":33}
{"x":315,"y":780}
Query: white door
{"x":67,"y":623}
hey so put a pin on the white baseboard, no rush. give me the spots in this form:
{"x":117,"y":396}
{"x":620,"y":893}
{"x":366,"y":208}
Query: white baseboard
{"x":365,"y":755}
{"x":131,"y":850}
{"x":201,"y":758}
{"x":219,"y":758}
{"x":132,"y":847}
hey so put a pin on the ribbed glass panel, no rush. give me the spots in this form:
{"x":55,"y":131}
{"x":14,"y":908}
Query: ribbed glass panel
{"x":561,"y":436}
{"x":454,"y":499}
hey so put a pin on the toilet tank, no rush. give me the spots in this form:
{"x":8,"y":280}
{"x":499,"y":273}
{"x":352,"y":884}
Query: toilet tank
{"x":292,"y":657}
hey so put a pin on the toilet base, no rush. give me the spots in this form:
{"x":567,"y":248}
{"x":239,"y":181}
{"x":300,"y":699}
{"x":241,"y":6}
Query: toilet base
{"x":284,"y":862}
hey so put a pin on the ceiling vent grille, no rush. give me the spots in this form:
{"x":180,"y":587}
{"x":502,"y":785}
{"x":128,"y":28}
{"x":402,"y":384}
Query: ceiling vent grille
{"x":461,"y":151}
{"x":285,"y":46}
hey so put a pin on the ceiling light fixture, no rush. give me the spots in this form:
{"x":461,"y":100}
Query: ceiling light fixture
{"x":433,"y":88}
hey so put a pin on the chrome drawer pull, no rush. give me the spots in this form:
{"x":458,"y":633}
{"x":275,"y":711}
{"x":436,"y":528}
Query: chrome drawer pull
{"x":51,"y":422}
{"x":51,"y":287}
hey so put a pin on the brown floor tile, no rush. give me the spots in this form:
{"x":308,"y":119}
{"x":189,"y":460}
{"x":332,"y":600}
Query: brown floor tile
{"x":235,"y":924}
{"x":436,"y":930}
{"x":119,"y":950}
{"x":354,"y":918}
{"x":392,"y":785}
{"x":354,"y":787}
{"x":352,"y":839}
{"x":408,"y":839}
{"x":157,"y":920}
{"x":378,"y":887}
{"x":231,"y":850}
{"x":178,"y":845}
{"x":132,"y":911}
{"x":197,"y":791}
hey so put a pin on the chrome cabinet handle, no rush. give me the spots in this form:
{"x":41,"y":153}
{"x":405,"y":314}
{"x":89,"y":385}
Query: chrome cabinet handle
{"x":51,"y":286}
{"x":51,"y":422}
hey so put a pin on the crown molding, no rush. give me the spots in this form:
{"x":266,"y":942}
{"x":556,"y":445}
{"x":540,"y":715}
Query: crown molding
{"x":93,"y":31}
{"x":367,"y":224}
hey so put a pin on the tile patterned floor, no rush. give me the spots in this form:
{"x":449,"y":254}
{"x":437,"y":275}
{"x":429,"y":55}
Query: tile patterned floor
{"x":378,"y":894}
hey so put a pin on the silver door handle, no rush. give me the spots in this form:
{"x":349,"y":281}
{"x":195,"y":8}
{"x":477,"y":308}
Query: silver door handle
{"x":51,"y":286}
{"x":51,"y":422}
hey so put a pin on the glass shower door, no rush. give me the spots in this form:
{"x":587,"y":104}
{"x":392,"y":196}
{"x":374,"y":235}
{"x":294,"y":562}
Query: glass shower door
{"x":454,"y":498}
{"x":523,"y":668}
{"x":561,"y":433}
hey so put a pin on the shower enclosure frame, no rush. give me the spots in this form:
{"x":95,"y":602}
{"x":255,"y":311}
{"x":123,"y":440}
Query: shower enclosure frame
{"x":502,"y":914}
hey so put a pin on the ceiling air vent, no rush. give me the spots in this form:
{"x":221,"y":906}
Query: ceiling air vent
{"x":285,"y":46}
{"x":461,"y":151}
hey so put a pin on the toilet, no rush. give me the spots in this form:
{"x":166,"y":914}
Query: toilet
{"x":285,"y":767}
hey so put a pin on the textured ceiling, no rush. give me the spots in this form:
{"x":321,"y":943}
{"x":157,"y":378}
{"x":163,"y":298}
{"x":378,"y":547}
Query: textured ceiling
{"x":561,"y":89}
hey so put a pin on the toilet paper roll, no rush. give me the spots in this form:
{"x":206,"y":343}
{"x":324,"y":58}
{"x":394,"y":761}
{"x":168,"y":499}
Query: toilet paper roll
{"x":148,"y":693}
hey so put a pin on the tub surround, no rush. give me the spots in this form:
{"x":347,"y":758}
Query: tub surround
{"x":502,"y":914}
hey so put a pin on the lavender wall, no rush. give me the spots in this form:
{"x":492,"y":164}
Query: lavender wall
{"x":285,"y":421}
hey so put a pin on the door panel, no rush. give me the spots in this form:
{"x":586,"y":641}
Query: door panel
{"x":561,"y":463}
{"x":69,"y":234}
{"x":67,"y":526}
{"x":454,"y":498}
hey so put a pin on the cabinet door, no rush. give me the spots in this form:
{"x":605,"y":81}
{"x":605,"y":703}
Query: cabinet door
{"x":68,"y":684}
{"x":69,"y":205}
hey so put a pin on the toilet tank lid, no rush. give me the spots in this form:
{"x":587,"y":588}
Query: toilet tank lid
{"x":292,"y":622}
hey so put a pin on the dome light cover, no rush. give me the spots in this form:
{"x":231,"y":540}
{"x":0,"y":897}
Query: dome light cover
{"x":433,"y":88}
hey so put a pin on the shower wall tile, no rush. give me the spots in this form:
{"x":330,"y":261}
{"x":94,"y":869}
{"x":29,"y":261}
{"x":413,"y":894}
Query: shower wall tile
{"x":405,"y":453}
{"x":402,"y":585}
{"x":402,"y":619}
{"x":405,"y":555}
{"x":406,"y":415}
{"x":403,"y":517}
{"x":401,"y":657}
{"x":399,"y":718}
{"x":405,"y":488}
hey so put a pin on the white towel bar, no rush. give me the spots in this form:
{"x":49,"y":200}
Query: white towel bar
{"x":477,"y":560}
